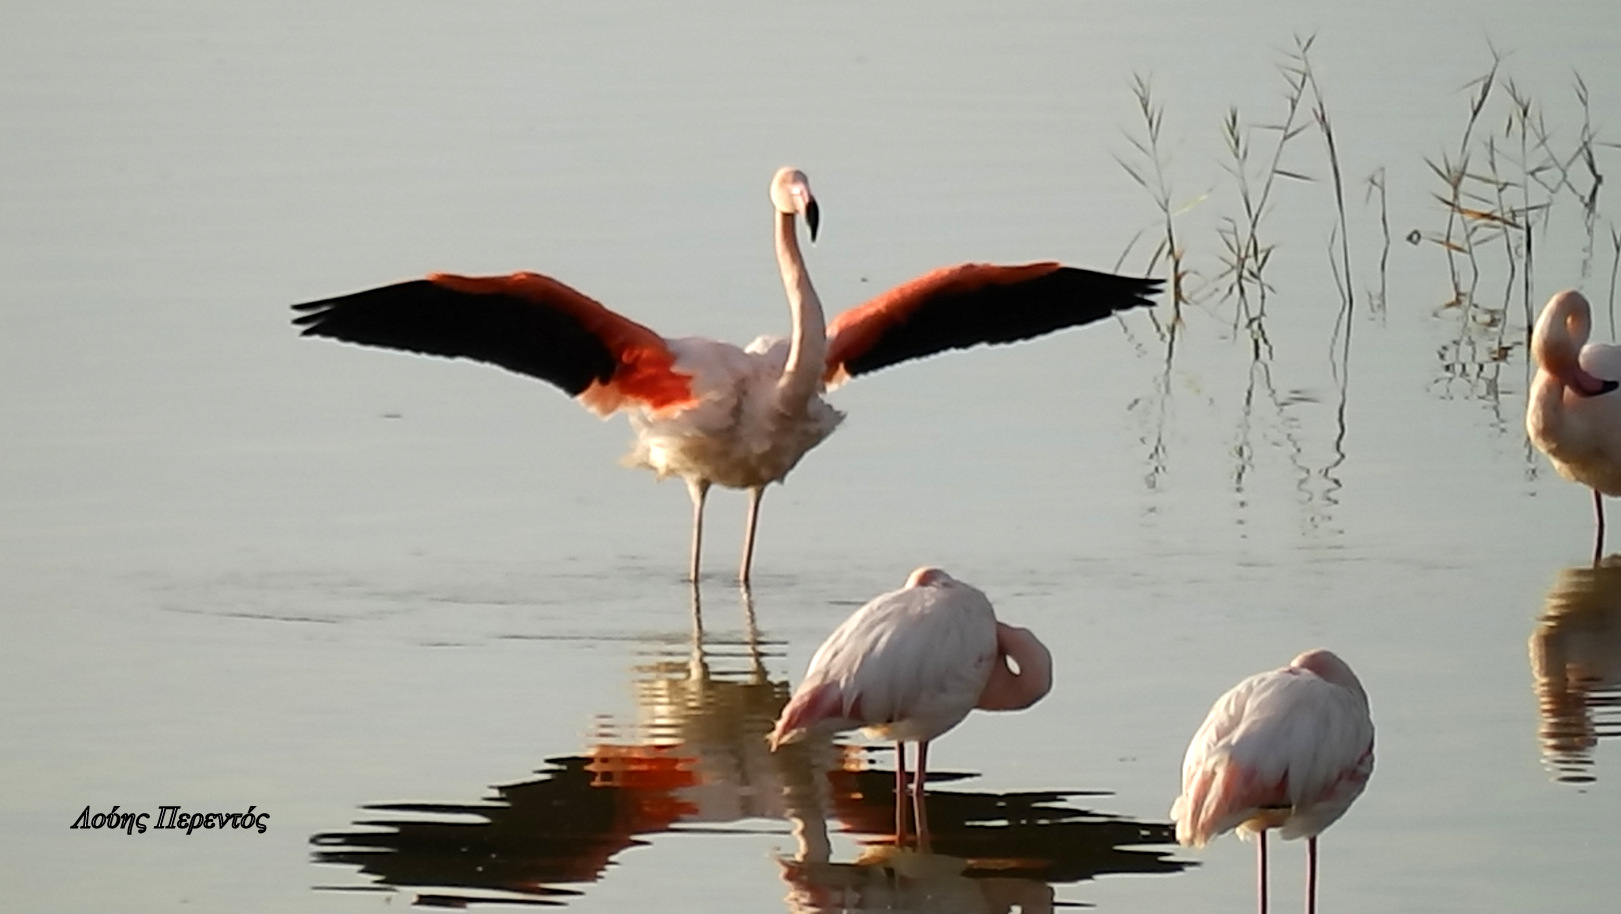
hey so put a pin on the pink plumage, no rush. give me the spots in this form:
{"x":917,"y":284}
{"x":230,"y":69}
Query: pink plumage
{"x":910,"y":665}
{"x":1573,"y":413}
{"x":1289,"y":749}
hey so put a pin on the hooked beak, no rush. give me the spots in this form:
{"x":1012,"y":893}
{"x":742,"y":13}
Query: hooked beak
{"x":813,"y":217}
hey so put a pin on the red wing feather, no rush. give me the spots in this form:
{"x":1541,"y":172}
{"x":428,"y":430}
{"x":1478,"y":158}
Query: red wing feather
{"x":524,"y":322}
{"x":973,"y":303}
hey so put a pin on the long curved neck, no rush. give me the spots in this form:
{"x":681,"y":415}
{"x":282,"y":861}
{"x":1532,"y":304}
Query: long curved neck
{"x":1010,"y":691}
{"x":1561,"y":330}
{"x":1545,"y":407}
{"x":1557,"y":343}
{"x":807,"y":352}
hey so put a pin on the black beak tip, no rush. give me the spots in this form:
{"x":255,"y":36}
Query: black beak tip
{"x":1609,"y":386}
{"x":813,"y":218}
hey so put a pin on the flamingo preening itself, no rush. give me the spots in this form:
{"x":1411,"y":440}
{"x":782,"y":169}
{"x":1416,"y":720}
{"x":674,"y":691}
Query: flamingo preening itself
{"x":707,"y":411}
{"x":1289,"y":749}
{"x":1573,"y":413}
{"x":909,"y":666}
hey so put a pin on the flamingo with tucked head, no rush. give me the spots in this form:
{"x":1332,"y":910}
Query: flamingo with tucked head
{"x":1572,"y":414}
{"x":708,"y":411}
{"x":1289,"y":749}
{"x":909,"y":666}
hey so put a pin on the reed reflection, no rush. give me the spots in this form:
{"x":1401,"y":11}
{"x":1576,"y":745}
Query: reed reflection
{"x":696,"y":757}
{"x":1576,"y":664}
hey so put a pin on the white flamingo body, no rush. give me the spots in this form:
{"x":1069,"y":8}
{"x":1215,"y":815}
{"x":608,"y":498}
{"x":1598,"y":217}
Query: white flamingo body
{"x":1570,"y":416}
{"x":707,"y":411}
{"x":1573,"y":414}
{"x":736,"y":434}
{"x":1289,"y":749}
{"x":909,"y":666}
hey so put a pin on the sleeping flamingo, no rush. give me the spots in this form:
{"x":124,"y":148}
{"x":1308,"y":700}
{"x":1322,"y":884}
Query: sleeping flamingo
{"x":909,"y":666}
{"x":1289,"y":749}
{"x":1570,"y":414}
{"x":705,"y":410}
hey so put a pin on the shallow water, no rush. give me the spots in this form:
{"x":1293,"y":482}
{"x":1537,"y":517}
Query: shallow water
{"x":416,"y":612}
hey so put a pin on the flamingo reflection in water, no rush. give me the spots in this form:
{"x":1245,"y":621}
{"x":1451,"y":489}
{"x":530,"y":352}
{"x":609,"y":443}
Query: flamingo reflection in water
{"x":696,"y":760}
{"x":705,"y":410}
{"x":991,"y":852}
{"x":1576,"y":667}
{"x":893,"y":879}
{"x":1289,"y":749}
{"x":909,"y":666}
{"x":1573,"y":413}
{"x":700,"y":725}
{"x":694,"y":757}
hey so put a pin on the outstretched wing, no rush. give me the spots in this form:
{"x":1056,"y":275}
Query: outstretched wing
{"x":974,"y":303}
{"x":527,"y":323}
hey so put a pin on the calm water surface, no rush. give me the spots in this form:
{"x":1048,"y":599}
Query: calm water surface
{"x":417,"y":613}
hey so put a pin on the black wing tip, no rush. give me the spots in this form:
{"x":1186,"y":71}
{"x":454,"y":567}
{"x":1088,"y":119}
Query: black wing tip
{"x":314,"y":315}
{"x":1145,"y":291}
{"x":311,"y":316}
{"x":1121,"y":293}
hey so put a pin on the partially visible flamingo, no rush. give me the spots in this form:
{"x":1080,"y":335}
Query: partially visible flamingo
{"x":1288,"y":749}
{"x":704,"y":410}
{"x":1570,"y":415}
{"x":909,"y":666}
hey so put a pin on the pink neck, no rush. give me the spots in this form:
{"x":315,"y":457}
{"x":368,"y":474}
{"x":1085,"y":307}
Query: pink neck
{"x":1010,"y":691}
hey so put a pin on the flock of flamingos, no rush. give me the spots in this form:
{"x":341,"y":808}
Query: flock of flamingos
{"x":1289,"y":749}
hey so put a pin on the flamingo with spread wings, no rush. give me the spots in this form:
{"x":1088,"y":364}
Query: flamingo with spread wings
{"x":708,"y":411}
{"x":1290,"y":749}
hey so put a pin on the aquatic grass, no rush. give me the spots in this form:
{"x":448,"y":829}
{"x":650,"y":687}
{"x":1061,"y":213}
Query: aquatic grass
{"x":1298,"y":66}
{"x":1510,"y":175}
{"x":1501,"y":191}
{"x":1255,"y":172}
{"x":1519,"y":122}
{"x":1523,"y":172}
{"x":1151,"y":173}
{"x":1376,"y":184}
{"x":1255,"y":161}
{"x":1585,"y":152}
{"x":1245,"y":257}
{"x":1497,"y":188}
{"x":1456,"y":237}
{"x":1300,"y":63}
{"x":1615,"y":264}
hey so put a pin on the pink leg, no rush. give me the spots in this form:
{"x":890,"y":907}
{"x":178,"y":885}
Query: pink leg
{"x":919,"y":811}
{"x":755,"y":493}
{"x":900,"y":794}
{"x":1260,"y":860}
{"x":1598,"y":511}
{"x":1311,"y":875}
{"x":699,"y":490}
